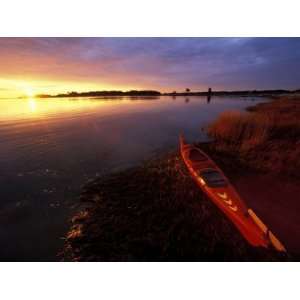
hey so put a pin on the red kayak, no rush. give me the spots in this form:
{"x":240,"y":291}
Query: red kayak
{"x":212,"y":181}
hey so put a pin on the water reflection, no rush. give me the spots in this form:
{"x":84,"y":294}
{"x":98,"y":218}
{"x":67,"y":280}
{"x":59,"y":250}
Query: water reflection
{"x":32,"y":108}
{"x":118,"y":98}
{"x":32,"y":105}
{"x":50,"y":147}
{"x":209,"y":95}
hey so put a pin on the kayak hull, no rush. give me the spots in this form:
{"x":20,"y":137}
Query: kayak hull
{"x":222,"y":193}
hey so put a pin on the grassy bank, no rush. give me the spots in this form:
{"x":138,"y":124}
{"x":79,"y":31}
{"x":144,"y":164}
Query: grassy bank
{"x":155,"y":212}
{"x":266,"y":138}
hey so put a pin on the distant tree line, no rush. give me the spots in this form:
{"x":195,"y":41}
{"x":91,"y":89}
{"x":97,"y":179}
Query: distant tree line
{"x":103,"y":94}
{"x":187,"y":92}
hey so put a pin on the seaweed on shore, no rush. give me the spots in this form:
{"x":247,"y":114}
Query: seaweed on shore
{"x":154,"y":212}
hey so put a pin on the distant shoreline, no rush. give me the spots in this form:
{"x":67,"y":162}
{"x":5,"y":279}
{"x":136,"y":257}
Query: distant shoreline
{"x":145,"y":93}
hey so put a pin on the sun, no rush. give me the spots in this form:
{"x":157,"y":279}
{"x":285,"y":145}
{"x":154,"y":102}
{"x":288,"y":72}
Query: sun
{"x":29,"y":92}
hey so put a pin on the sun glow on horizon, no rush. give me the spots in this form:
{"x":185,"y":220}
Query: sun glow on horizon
{"x":29,"y":92}
{"x":31,"y":87}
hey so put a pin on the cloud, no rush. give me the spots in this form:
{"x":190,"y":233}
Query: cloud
{"x":162,"y":63}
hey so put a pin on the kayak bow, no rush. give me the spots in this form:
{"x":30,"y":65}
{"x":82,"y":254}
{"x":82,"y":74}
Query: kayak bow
{"x":212,"y":181}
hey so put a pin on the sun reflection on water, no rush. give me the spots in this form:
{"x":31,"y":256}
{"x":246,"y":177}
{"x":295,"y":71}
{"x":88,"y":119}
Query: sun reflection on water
{"x":35,"y":108}
{"x":32,"y":105}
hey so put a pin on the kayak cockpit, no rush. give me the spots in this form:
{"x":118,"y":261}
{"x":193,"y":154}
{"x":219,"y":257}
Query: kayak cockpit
{"x":213,"y":178}
{"x":197,"y":156}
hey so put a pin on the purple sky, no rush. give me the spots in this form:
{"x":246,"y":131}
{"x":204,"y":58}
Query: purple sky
{"x":167,"y":64}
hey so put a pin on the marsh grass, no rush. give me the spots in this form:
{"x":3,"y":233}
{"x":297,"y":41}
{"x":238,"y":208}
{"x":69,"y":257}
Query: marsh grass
{"x":241,"y":131}
{"x":267,"y":137}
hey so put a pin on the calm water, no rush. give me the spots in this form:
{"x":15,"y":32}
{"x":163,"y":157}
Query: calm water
{"x":49,"y":148}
